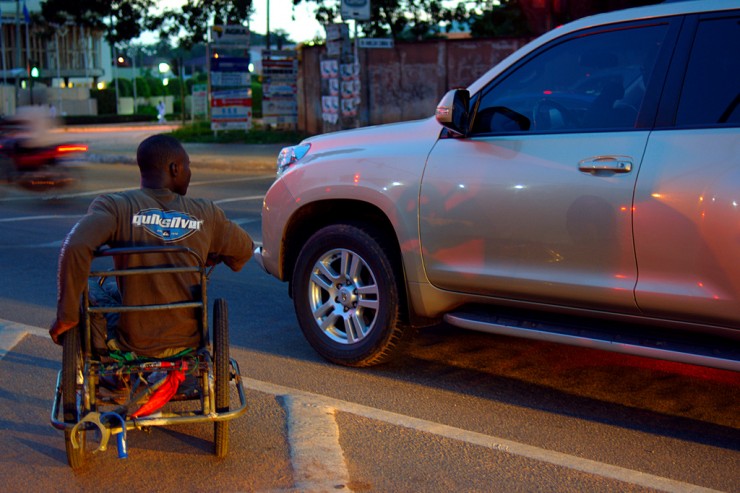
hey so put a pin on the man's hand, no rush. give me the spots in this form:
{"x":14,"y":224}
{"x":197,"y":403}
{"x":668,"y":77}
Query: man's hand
{"x":213,"y":259}
{"x":58,"y":328}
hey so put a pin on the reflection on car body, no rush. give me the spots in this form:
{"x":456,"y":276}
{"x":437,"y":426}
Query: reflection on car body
{"x":585,"y":190}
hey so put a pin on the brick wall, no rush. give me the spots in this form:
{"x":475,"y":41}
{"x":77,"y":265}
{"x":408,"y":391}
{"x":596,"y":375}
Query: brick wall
{"x":402,"y":83}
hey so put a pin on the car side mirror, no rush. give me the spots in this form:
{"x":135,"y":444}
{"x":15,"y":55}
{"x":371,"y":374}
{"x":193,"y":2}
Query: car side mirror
{"x":453,"y":111}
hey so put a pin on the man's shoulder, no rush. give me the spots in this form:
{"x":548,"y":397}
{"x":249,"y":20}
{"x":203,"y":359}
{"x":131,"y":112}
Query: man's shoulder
{"x":204,"y":204}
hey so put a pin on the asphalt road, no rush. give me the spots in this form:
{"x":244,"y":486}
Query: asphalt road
{"x":460,"y":412}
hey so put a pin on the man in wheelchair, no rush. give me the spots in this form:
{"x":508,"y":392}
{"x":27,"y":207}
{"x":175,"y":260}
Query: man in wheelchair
{"x":157,"y":214}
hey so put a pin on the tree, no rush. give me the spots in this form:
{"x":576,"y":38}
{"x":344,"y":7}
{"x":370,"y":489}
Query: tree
{"x":189,"y":24}
{"x":400,"y":19}
{"x":504,"y":19}
{"x":418,"y":19}
{"x":120,"y":20}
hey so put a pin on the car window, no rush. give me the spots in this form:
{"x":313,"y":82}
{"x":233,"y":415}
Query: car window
{"x":711,"y":89}
{"x":591,"y":82}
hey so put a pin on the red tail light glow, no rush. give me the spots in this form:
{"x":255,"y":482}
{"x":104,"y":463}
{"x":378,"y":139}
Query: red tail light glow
{"x":72,"y":148}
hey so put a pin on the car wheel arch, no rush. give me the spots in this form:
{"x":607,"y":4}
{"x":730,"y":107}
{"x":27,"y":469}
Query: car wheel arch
{"x":317,"y":215}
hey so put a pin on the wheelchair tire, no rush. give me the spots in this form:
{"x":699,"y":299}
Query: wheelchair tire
{"x":71,"y":368}
{"x":221,"y":374}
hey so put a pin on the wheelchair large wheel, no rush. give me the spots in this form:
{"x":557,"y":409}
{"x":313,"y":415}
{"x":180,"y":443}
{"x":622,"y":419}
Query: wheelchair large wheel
{"x":221,"y":371}
{"x":71,"y":395}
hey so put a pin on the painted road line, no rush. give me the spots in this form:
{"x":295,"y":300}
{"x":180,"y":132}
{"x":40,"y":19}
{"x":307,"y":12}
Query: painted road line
{"x":239,"y":199}
{"x":317,"y":458}
{"x":90,"y":193}
{"x":12,"y":333}
{"x":52,"y":244}
{"x":495,"y":443}
{"x":39,"y":218}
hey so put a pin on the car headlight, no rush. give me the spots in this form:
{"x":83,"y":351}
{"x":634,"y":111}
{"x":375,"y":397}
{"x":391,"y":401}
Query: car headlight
{"x":290,"y":155}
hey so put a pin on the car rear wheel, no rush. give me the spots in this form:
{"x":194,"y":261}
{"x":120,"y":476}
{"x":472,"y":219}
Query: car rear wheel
{"x":346,"y":298}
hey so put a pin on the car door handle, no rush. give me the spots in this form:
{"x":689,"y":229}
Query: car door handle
{"x":615,"y":164}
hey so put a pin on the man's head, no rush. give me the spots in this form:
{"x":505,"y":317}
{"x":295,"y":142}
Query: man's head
{"x":163,"y":163}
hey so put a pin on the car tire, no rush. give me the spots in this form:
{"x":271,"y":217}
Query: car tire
{"x":345,"y":294}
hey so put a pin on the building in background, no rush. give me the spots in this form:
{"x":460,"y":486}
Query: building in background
{"x":57,"y":71}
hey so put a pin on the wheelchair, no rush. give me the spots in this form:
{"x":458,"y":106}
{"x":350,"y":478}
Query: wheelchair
{"x":191,"y":387}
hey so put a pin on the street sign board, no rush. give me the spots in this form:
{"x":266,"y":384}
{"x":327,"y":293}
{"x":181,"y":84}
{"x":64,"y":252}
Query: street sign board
{"x":280,"y":87}
{"x":358,"y":10}
{"x":230,"y":35}
{"x":375,"y":42}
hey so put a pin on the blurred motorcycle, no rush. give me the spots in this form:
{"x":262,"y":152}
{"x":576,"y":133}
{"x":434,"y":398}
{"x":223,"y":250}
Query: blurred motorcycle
{"x":28,"y":160}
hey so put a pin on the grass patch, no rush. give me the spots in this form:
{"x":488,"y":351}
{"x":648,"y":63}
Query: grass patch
{"x":201,"y":132}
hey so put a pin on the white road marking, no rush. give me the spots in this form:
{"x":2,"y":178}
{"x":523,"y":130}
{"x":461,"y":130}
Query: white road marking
{"x":231,"y":180}
{"x":245,"y":220}
{"x":313,"y":435}
{"x":123,"y":189}
{"x":317,"y":457}
{"x":39,"y":218}
{"x":495,"y":443}
{"x":238,"y":199}
{"x":12,"y":333}
{"x":51,"y":244}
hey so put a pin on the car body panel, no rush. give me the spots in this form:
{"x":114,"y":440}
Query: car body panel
{"x":354,"y":167}
{"x":521,"y":220}
{"x":687,"y":212}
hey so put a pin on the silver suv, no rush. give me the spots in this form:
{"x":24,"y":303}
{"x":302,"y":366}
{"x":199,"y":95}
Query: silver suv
{"x":585,"y":190}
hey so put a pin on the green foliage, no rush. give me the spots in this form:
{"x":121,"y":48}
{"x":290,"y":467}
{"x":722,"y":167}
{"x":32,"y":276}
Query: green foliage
{"x":106,"y":99}
{"x":147,"y":109}
{"x":142,"y":87}
{"x":194,"y":17}
{"x":125,"y":87}
{"x":120,"y":20}
{"x":500,"y":20}
{"x":399,"y":19}
{"x":173,"y":87}
{"x":201,"y":132}
{"x":256,"y":98}
{"x":156,"y":88}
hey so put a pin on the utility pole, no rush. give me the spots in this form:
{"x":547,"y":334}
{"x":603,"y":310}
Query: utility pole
{"x":133,"y":66}
{"x":28,"y":53}
{"x":17,"y":63}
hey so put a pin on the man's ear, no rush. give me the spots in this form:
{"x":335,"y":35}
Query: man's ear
{"x":173,"y":168}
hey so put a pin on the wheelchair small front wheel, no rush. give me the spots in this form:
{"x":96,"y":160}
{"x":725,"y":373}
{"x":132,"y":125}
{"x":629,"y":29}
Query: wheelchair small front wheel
{"x":221,"y":374}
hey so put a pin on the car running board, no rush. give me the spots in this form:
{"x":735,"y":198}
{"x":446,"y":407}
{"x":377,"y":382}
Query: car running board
{"x":608,"y":336}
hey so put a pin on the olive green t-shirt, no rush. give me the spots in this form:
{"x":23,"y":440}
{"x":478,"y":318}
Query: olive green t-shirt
{"x":149,"y":217}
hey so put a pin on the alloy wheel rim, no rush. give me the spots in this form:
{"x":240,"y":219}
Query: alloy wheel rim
{"x":343,"y":296}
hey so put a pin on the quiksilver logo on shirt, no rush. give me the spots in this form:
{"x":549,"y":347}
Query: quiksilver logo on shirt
{"x":167,"y":225}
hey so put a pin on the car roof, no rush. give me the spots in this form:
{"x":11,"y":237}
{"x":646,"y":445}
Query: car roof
{"x":665,"y":9}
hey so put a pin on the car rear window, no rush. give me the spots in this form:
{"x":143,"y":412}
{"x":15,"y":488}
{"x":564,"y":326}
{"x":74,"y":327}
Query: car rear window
{"x":711,"y":89}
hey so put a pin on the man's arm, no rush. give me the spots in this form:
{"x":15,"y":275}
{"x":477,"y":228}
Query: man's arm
{"x":93,"y":230}
{"x":230,"y":243}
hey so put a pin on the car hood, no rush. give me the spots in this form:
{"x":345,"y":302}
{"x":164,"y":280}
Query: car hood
{"x":411,"y":137}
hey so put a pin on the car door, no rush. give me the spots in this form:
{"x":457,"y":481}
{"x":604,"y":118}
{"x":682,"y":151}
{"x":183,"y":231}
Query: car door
{"x":536,"y":203}
{"x":687,"y":219}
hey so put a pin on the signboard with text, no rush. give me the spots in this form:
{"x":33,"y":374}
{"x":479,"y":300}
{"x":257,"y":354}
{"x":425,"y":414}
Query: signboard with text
{"x":231,"y":109}
{"x":230,"y":79}
{"x":375,"y":42}
{"x":358,"y":10}
{"x":280,"y":87}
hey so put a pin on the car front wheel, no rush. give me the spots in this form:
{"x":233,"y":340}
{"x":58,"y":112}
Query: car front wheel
{"x":346,"y":297}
